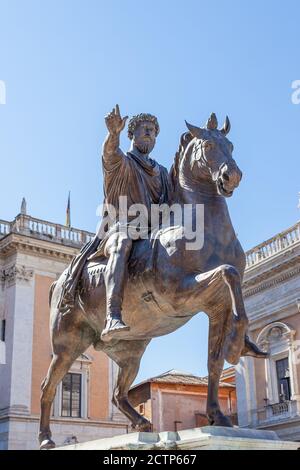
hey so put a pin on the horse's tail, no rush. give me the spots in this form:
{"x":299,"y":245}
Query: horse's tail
{"x":51,"y":292}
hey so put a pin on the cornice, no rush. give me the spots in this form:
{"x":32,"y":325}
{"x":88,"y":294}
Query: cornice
{"x":7,"y":414}
{"x":272,"y":277}
{"x":259,"y":320}
{"x":16,"y":243}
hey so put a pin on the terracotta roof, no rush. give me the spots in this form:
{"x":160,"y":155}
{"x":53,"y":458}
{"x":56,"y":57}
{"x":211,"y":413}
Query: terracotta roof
{"x":179,"y":377}
{"x":227,"y":373}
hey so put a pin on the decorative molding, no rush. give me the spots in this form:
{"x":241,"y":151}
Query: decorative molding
{"x":16,"y":410}
{"x":258,"y":320}
{"x":24,"y":245}
{"x":275,"y":332}
{"x":16,"y":273}
{"x":84,"y":358}
{"x":248,"y":291}
{"x":277,"y":338}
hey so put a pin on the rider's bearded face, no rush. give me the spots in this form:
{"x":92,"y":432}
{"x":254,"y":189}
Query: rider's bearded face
{"x":144,"y":137}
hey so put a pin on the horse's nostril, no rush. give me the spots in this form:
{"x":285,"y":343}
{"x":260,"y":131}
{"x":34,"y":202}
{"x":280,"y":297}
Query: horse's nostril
{"x":225,"y":176}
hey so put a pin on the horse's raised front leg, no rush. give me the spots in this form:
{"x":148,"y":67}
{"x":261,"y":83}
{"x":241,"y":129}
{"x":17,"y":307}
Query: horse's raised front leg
{"x":217,"y":289}
{"x":239,"y":326}
{"x":218,"y":293}
{"x":128,"y":354}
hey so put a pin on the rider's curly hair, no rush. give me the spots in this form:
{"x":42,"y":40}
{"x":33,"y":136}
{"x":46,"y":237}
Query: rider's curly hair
{"x":140,"y":118}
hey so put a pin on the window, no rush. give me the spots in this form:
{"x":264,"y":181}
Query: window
{"x":3,"y":325}
{"x":71,"y":396}
{"x":283,"y":379}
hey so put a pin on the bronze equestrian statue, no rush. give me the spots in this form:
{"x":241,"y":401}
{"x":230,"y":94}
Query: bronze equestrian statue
{"x":167,"y":283}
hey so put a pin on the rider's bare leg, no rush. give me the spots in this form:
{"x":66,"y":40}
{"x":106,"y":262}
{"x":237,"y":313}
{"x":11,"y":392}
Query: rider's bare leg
{"x":117,"y":249}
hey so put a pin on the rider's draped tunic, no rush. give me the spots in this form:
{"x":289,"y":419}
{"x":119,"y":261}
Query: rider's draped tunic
{"x":143,"y":181}
{"x":138,"y":180}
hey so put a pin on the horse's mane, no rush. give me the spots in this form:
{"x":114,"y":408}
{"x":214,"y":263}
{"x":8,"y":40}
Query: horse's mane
{"x":185,"y":139}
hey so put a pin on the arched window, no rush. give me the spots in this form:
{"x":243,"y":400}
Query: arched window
{"x":277,"y":339}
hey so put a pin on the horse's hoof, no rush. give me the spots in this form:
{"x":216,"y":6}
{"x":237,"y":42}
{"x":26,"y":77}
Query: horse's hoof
{"x":251,"y":349}
{"x":144,"y":426}
{"x":147,"y":427}
{"x":47,"y":444}
{"x":220,"y":420}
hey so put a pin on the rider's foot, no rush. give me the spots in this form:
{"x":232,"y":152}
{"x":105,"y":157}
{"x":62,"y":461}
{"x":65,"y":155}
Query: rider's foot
{"x":114,"y":328}
{"x":251,"y":349}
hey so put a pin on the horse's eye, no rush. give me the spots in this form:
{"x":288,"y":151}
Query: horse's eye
{"x":207,"y":146}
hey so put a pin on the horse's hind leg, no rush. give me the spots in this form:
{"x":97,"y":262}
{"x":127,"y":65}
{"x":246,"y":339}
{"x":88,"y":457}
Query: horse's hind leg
{"x":128,"y":354}
{"x":66,"y":348}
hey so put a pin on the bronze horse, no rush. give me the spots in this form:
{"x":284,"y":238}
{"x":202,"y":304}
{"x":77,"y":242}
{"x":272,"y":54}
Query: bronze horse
{"x":166,"y":287}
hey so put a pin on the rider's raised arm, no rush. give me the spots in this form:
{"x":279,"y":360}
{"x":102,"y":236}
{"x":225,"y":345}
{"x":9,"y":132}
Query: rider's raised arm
{"x":111,"y":151}
{"x":111,"y":147}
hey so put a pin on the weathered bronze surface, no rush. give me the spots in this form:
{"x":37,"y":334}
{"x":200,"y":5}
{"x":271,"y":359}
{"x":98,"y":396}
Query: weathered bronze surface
{"x":165,"y":287}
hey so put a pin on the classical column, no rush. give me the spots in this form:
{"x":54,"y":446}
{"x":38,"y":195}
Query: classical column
{"x":246,"y":392}
{"x":19,"y":285}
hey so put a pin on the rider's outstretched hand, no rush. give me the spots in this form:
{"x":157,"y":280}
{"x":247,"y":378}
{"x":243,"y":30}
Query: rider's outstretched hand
{"x":114,"y":122}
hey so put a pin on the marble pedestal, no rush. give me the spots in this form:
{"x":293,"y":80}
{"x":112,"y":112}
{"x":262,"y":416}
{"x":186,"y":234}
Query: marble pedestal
{"x":205,"y":438}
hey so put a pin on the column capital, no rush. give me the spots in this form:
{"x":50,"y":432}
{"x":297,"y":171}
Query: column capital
{"x":14,"y":273}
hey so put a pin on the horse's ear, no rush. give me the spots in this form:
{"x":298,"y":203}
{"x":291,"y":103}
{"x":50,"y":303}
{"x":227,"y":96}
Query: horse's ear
{"x":212,"y":122}
{"x":194,"y":130}
{"x":226,"y":126}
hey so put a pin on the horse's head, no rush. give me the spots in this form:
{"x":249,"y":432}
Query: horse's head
{"x":211,"y":156}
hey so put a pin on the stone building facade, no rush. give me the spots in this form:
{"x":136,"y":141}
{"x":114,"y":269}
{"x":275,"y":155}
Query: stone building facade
{"x":176,"y":400}
{"x":33,"y":253}
{"x":268,"y":391}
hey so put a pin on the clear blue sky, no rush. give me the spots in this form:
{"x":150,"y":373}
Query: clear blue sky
{"x":66,"y":63}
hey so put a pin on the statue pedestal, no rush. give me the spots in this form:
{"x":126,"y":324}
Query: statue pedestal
{"x":205,"y":438}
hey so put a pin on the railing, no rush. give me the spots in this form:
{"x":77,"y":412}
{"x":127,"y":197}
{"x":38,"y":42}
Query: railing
{"x":274,"y":412}
{"x":4,"y":228}
{"x":42,"y":229}
{"x":60,"y":233}
{"x":273,"y":246}
{"x":279,"y":408}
